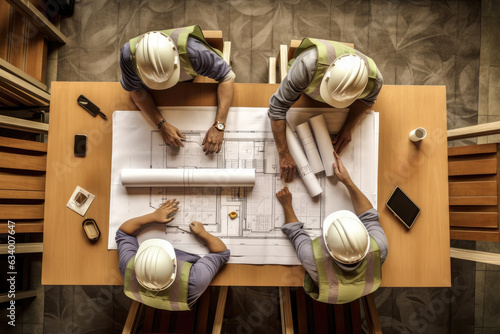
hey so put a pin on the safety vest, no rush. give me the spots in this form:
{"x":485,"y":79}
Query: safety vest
{"x":180,"y":37}
{"x":174,"y":298}
{"x":328,"y":51}
{"x":339,"y":287}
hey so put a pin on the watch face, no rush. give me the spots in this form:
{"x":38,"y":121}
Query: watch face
{"x":220,"y":126}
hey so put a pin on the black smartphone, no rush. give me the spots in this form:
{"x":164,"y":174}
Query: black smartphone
{"x":89,"y":106}
{"x":80,"y":148}
{"x":403,"y":207}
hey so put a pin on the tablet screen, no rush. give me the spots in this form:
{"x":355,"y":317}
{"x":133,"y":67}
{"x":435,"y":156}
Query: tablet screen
{"x":403,"y":207}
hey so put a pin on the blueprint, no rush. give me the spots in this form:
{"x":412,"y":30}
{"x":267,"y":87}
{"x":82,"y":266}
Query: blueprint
{"x":254,"y":235}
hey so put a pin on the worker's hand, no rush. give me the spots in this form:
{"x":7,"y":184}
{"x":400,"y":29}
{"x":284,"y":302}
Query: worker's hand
{"x":287,"y":167}
{"x":285,"y":197}
{"x":161,"y":215}
{"x":197,"y":227}
{"x":171,"y":135}
{"x":213,"y":141}
{"x":342,"y":139}
{"x":340,"y":171}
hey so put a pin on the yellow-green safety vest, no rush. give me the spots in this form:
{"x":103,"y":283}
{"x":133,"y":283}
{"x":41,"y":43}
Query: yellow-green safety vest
{"x":336,"y":286}
{"x":174,"y":298}
{"x":328,"y":51}
{"x":180,"y":37}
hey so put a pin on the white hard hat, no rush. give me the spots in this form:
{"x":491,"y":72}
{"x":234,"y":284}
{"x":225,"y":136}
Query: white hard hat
{"x":155,"y":264}
{"x":344,"y":81}
{"x":346,"y":239}
{"x":157,"y":60}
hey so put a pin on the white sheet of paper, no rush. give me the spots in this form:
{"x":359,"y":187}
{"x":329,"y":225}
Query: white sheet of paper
{"x":254,"y":237}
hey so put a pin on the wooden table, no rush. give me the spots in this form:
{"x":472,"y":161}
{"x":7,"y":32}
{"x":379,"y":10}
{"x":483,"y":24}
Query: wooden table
{"x":417,"y":258}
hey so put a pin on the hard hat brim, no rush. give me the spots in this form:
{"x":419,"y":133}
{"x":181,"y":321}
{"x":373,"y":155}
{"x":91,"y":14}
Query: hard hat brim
{"x":163,"y":85}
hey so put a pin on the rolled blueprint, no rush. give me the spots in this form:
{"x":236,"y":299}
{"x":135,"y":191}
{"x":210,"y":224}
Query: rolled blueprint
{"x":305,"y":171}
{"x":307,"y":139}
{"x":324,"y":142}
{"x":178,"y":177}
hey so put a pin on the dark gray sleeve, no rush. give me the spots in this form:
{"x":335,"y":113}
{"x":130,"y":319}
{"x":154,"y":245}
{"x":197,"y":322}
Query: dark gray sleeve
{"x":130,"y":81}
{"x":296,"y":81}
{"x":370,"y":219}
{"x":203,"y":271}
{"x":206,"y":62}
{"x":127,"y":248}
{"x":302,"y":243}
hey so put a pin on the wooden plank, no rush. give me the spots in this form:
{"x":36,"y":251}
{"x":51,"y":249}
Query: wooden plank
{"x":472,"y":149}
{"x":40,"y":21}
{"x":283,"y":59}
{"x":340,"y":326}
{"x":21,"y":194}
{"x":23,"y":248}
{"x":219,"y":313}
{"x":4,"y":65}
{"x":16,"y":55}
{"x":474,"y":219}
{"x":214,"y":39}
{"x":23,"y":161}
{"x":476,"y":188}
{"x":4,"y":297}
{"x":36,"y":55}
{"x":19,"y":95}
{"x":4,"y":28}
{"x":22,"y":144}
{"x":149,"y":318}
{"x":355,"y":309}
{"x":13,"y":212}
{"x":320,"y":317}
{"x":272,"y":70}
{"x":371,"y":314}
{"x":473,"y":234}
{"x":26,"y":87}
{"x":226,"y":52}
{"x":23,"y":125}
{"x":7,"y":101}
{"x":203,"y":310}
{"x":23,"y":227}
{"x":286,"y":310}
{"x":294,"y":44}
{"x":474,"y":200}
{"x":472,"y":167}
{"x":134,"y":314}
{"x":477,"y":256}
{"x":22,"y":182}
{"x":165,"y":320}
{"x":474,"y":131}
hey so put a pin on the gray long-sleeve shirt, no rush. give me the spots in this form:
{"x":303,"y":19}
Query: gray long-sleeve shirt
{"x":202,"y":271}
{"x":299,"y":77}
{"x":204,"y":62}
{"x":302,"y":241}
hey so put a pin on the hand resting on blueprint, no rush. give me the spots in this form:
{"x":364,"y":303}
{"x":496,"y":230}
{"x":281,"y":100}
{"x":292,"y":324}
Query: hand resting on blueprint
{"x":285,"y":198}
{"x":212,"y":143}
{"x":340,"y":171}
{"x":164,"y":213}
{"x":171,"y":135}
{"x":214,"y":244}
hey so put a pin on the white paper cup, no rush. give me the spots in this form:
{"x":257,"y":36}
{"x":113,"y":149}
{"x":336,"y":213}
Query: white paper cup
{"x":418,"y":134}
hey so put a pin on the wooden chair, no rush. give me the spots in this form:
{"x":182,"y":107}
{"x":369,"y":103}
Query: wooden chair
{"x":214,"y":39}
{"x":285,"y":54}
{"x":194,"y":321}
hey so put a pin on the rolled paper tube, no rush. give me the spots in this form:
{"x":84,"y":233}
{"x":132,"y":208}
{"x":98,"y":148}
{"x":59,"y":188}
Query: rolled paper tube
{"x":303,"y":167}
{"x":324,"y":142}
{"x":178,"y":177}
{"x":307,"y":139}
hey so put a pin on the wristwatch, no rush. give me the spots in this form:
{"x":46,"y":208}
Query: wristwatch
{"x":219,"y":125}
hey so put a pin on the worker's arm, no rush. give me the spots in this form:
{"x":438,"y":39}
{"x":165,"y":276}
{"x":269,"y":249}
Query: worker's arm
{"x":287,"y":164}
{"x":160,"y":215}
{"x":170,"y":134}
{"x":214,"y":244}
{"x":285,"y":198}
{"x":214,"y":138}
{"x":356,"y":112}
{"x":359,"y":201}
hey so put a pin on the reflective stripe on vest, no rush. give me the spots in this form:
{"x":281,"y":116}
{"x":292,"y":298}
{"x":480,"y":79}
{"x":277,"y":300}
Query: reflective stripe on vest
{"x":172,"y":299}
{"x":180,"y":37}
{"x":339,"y":287}
{"x":328,"y":51}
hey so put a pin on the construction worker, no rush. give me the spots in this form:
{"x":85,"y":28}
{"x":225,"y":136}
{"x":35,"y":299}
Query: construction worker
{"x":160,"y":276}
{"x":328,"y":72}
{"x":345,"y":262}
{"x":157,"y":60}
